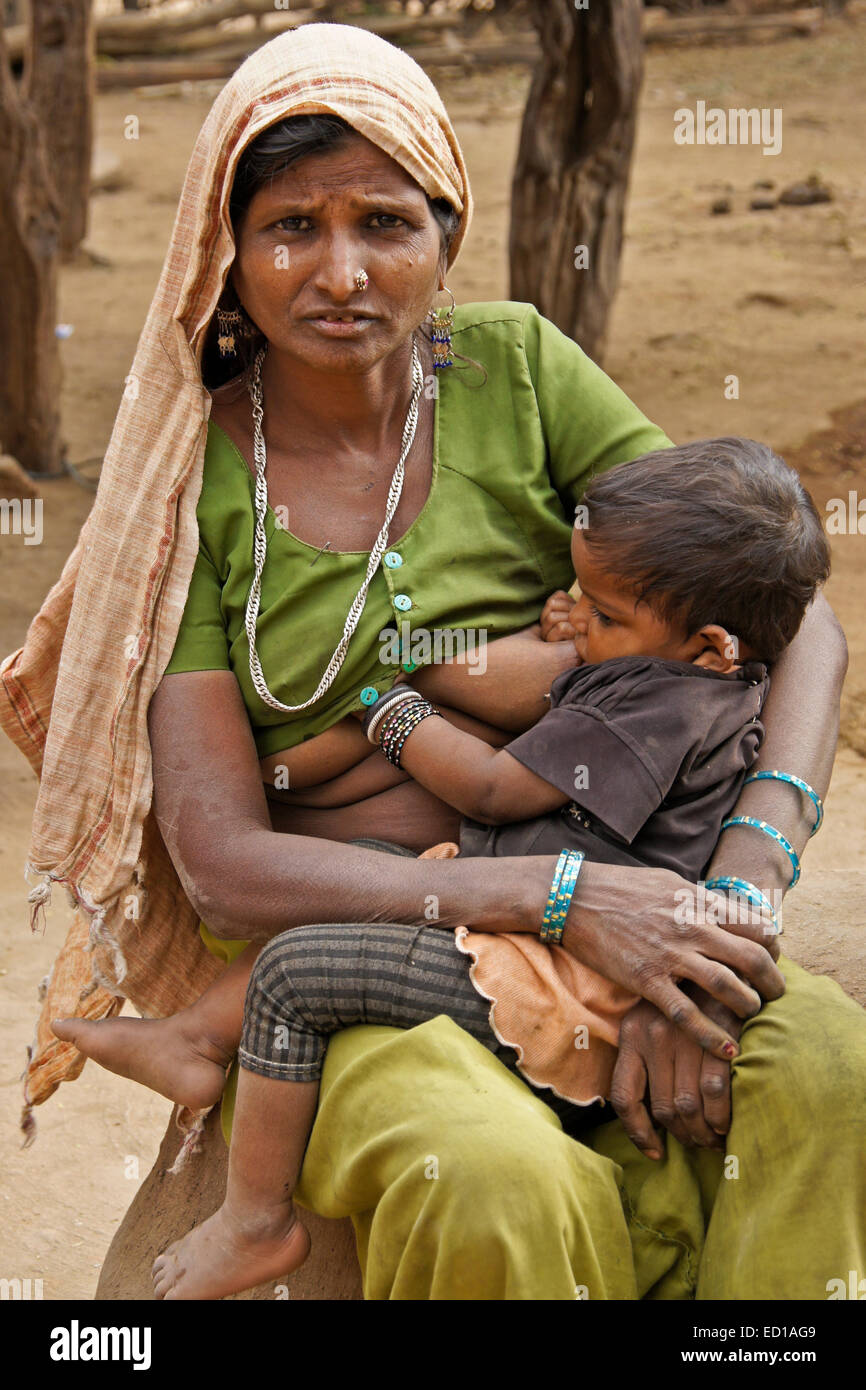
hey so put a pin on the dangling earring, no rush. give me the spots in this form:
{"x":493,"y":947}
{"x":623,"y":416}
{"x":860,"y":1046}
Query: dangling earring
{"x":442,"y":321}
{"x":229,"y":322}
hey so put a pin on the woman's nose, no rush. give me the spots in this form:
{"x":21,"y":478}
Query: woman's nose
{"x":336,"y":273}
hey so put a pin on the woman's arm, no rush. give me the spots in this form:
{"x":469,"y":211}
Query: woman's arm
{"x":689,"y":1090}
{"x":801,"y":720}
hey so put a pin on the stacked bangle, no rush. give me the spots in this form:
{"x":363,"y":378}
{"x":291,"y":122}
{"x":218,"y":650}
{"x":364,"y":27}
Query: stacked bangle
{"x":775,"y":776}
{"x":744,"y":889}
{"x":774,"y":834}
{"x":398,"y":725}
{"x":377,"y":711}
{"x":559,"y":898}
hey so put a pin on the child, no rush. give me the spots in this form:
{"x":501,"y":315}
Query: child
{"x":695,"y":566}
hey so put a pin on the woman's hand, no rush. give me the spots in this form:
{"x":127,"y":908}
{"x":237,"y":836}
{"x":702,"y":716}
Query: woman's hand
{"x":555,"y":626}
{"x":640,"y":927}
{"x":689,"y":1089}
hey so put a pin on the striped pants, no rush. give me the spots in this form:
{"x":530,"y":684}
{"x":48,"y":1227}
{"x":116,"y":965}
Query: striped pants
{"x":313,"y":981}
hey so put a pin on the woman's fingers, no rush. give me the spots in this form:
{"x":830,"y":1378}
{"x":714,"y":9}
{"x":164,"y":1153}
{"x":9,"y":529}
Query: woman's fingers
{"x":688,"y":1097}
{"x":627,"y":1092}
{"x":745,"y":956}
{"x":721,"y":982}
{"x":756,"y":927}
{"x":715,"y":1086}
{"x":659,"y":1062}
{"x":683,"y":1011}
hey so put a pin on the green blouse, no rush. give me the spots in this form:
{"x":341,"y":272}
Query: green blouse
{"x":511,"y":455}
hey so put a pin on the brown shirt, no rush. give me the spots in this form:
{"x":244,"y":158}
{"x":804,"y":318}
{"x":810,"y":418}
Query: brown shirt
{"x":652,"y":754}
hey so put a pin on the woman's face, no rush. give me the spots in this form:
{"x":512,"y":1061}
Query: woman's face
{"x":305,"y":236}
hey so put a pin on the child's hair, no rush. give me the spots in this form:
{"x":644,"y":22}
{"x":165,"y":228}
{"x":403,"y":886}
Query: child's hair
{"x":719,"y":531}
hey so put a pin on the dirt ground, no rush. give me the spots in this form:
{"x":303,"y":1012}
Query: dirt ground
{"x":777,"y":298}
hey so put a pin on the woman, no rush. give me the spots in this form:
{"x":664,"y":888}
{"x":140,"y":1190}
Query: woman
{"x":423,"y":1137}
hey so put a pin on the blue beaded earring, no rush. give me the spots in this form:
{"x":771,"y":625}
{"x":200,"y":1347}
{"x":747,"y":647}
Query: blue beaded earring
{"x":442,"y":321}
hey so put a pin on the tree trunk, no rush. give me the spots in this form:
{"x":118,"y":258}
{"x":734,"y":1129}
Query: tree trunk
{"x":167,"y":1205}
{"x":29,"y":246}
{"x":571,"y":177}
{"x":58,"y":80}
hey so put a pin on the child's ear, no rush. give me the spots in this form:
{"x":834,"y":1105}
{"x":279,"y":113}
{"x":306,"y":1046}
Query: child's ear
{"x":715,"y":649}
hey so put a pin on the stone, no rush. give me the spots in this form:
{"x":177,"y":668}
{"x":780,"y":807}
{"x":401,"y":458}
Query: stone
{"x":167,"y":1205}
{"x":806,"y":193}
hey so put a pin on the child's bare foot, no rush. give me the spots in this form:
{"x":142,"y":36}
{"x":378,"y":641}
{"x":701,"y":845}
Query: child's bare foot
{"x":162,"y":1053}
{"x":225,"y":1254}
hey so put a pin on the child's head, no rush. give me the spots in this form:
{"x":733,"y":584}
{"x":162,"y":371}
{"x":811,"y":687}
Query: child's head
{"x":681,"y":550}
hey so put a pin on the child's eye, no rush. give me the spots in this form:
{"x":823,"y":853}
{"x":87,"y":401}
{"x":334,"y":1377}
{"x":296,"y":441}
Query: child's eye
{"x":602,"y":617}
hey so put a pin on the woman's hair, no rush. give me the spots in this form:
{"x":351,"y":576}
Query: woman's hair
{"x":719,"y":531}
{"x":282,"y":144}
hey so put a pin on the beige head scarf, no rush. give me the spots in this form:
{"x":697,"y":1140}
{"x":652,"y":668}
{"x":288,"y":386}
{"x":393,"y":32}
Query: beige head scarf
{"x":74,"y":698}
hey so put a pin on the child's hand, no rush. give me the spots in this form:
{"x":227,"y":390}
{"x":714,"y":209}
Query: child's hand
{"x":555,"y":626}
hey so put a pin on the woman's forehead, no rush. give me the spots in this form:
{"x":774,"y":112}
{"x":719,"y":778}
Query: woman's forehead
{"x":355,"y":166}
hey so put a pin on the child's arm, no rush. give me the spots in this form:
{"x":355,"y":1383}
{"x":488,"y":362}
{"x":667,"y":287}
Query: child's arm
{"x":518,"y":671}
{"x":484,"y":783}
{"x":374,"y":774}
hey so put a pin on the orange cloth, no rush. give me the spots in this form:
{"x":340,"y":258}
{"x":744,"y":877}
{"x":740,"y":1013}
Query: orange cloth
{"x":561,"y":1017}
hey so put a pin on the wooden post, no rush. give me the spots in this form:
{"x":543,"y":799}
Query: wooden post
{"x":58,"y":80}
{"x":571,"y":177}
{"x":30,"y":222}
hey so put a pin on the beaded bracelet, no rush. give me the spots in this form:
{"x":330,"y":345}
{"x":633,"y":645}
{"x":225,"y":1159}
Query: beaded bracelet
{"x":776,"y":776}
{"x":565,"y":877}
{"x":774,"y":834}
{"x":376,"y":712}
{"x":398,"y":727}
{"x":744,"y":889}
{"x":398,"y":723}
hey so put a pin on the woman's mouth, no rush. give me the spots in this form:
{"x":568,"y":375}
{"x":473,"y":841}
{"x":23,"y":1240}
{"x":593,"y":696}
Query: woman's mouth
{"x":341,"y":325}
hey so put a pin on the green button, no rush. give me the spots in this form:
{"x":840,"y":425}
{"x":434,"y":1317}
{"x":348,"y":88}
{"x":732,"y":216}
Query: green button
{"x":402,"y":601}
{"x":410,"y":665}
{"x":369,"y":695}
{"x":393,"y":560}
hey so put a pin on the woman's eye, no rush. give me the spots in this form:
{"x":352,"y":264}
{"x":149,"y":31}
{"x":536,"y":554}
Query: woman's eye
{"x":602,"y":617}
{"x":290,"y":224}
{"x":283,"y":223}
{"x":394,"y":220}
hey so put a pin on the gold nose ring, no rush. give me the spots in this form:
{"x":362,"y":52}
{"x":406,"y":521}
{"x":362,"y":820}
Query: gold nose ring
{"x":362,"y":280}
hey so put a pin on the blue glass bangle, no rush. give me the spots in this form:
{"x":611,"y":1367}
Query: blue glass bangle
{"x":773,"y":775}
{"x":554,"y":887}
{"x":774,"y":834}
{"x":565,"y":877}
{"x":744,"y":889}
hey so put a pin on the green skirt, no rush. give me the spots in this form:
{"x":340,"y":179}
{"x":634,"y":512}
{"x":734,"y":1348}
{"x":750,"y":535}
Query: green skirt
{"x":462,"y":1185}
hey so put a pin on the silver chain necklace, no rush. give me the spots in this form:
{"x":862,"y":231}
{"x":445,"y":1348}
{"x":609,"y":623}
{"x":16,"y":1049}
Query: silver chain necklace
{"x":260,"y":540}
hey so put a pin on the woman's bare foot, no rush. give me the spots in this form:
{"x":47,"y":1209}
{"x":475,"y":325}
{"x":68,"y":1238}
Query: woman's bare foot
{"x":165,"y":1054}
{"x":226,"y":1255}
